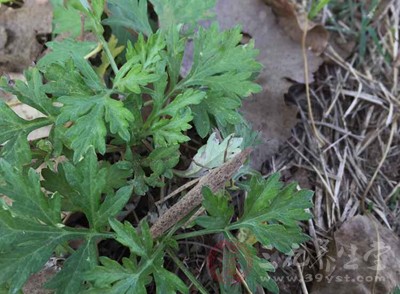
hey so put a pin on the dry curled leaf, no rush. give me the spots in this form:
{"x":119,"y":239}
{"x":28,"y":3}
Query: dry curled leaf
{"x":343,"y":46}
{"x":283,"y":62}
{"x":294,"y":20}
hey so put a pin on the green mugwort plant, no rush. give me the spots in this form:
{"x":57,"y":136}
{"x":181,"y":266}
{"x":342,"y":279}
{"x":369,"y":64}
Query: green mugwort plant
{"x":119,"y":111}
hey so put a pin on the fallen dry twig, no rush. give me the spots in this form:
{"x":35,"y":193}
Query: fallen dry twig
{"x":215,"y":180}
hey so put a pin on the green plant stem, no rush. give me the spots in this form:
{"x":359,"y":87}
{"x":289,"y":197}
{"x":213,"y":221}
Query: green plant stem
{"x":108,"y":53}
{"x":183,"y":268}
{"x":198,"y":233}
{"x":67,"y":248}
{"x":89,"y":233}
{"x":41,"y":122}
{"x":235,"y":226}
{"x":147,"y":103}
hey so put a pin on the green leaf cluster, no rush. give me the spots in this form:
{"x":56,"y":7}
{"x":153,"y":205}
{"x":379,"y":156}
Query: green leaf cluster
{"x":144,"y":265}
{"x":31,"y":230}
{"x":271,"y":214}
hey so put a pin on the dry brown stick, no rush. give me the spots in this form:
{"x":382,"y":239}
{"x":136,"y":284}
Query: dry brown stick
{"x":215,"y":180}
{"x":320,"y":141}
